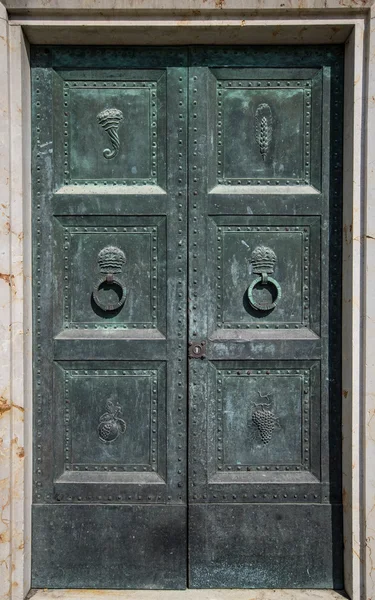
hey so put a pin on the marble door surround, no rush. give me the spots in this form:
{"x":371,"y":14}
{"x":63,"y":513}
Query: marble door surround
{"x":162,"y":22}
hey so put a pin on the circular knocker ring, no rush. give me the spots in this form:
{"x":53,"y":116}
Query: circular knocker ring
{"x":264,"y":280}
{"x":111,"y":280}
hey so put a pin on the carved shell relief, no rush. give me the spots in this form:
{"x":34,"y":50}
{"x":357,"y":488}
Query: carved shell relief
{"x":263,"y":128}
{"x":110,"y":119}
{"x":263,"y":260}
{"x":111,"y":260}
{"x":110,"y":423}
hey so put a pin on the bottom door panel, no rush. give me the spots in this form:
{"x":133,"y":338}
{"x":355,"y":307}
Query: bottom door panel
{"x":265,"y":546}
{"x":104,"y":546}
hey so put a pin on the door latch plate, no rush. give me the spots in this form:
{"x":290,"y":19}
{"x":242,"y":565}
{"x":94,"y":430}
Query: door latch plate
{"x":197,"y":350}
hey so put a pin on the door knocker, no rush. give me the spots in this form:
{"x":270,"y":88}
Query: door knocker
{"x":263,"y":260}
{"x":110,"y":261}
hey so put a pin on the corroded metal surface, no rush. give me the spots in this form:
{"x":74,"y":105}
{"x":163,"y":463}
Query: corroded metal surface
{"x":263,"y":305}
{"x":265,"y":198}
{"x":110,"y":353}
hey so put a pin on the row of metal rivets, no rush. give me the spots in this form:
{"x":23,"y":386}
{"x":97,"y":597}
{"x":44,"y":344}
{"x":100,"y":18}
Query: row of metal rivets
{"x":234,"y":468}
{"x":98,"y":326}
{"x":246,"y":181}
{"x":108,"y":467}
{"x":262,"y":228}
{"x":110,"y":84}
{"x":307,"y":136}
{"x":115,"y":182}
{"x":113,"y":372}
{"x":263,"y":83}
{"x":38,"y":418}
{"x":181,"y":290}
{"x":67,"y":148}
{"x":261,"y":497}
{"x":117,"y":229}
{"x":254,"y":372}
{"x":195,"y":476}
{"x":335,"y":242}
{"x":111,"y":498}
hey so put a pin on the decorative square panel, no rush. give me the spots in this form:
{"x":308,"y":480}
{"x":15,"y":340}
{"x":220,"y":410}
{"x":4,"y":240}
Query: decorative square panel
{"x":264,"y":274}
{"x":264,"y":132}
{"x":111,"y":420}
{"x":263,"y":420}
{"x":113,"y":275}
{"x":111,"y":132}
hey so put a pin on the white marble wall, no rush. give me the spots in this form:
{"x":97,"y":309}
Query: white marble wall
{"x":187,"y":21}
{"x":15,"y":313}
{"x":5,"y":316}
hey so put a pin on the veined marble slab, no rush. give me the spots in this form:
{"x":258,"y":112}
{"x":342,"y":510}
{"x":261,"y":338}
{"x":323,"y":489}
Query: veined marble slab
{"x":186,"y":595}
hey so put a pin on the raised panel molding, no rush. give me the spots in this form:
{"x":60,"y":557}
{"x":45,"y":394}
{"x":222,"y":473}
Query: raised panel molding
{"x":294,"y":285}
{"x":133,"y":159}
{"x":132,"y":467}
{"x":87,"y":392}
{"x":141,"y":304}
{"x":263,"y":420}
{"x":264,"y":131}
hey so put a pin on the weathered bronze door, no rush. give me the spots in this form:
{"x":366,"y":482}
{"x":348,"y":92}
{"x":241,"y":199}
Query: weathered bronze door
{"x":187,"y":226}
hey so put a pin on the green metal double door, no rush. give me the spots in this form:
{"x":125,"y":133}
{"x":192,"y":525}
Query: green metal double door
{"x":187,"y":232}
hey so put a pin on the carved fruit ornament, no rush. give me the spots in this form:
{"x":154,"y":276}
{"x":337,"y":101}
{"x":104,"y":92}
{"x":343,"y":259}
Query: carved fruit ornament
{"x":265,"y":420}
{"x":110,"y":424}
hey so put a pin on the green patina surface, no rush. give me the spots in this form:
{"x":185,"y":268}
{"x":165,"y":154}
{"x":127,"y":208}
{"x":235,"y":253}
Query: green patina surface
{"x":187,"y":195}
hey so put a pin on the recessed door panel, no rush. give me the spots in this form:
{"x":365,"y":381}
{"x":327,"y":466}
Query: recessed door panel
{"x":263,"y":419}
{"x":135,"y":248}
{"x":110,"y":430}
{"x":289,"y":247}
{"x":113,"y":126}
{"x":246,"y":149}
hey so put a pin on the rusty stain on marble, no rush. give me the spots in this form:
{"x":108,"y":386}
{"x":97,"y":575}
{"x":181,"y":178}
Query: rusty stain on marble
{"x":21,"y":452}
{"x":5,"y":406}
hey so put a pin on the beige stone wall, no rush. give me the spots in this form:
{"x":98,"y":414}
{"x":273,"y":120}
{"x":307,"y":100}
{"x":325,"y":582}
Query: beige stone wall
{"x":187,"y":22}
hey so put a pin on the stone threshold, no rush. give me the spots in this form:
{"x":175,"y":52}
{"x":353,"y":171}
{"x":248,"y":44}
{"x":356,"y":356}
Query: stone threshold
{"x":248,"y":594}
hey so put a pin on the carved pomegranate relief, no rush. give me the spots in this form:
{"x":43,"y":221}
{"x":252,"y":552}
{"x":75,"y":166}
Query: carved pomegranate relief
{"x":110,"y":424}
